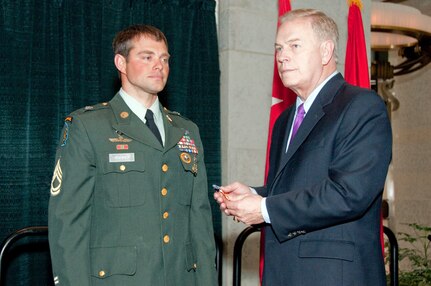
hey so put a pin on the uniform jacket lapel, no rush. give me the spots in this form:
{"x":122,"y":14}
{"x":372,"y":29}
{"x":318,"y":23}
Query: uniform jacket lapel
{"x":173,"y":133}
{"x":131,"y":125}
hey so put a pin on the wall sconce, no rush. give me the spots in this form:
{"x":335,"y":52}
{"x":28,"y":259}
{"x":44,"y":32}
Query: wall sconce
{"x":402,"y":28}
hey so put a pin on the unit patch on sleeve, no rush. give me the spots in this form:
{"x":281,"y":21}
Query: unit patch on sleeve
{"x":67,"y":123}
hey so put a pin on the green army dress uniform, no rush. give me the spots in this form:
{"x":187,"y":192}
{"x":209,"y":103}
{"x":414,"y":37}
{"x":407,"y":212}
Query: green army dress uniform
{"x":125,"y":210}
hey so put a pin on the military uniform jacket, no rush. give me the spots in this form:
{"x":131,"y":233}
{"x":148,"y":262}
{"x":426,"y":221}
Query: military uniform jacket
{"x":123,"y":209}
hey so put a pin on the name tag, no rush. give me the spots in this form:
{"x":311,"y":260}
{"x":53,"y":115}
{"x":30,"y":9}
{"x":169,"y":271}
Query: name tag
{"x":121,"y":157}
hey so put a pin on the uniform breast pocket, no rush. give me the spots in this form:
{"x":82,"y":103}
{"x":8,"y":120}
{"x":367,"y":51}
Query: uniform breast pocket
{"x":188,"y":170}
{"x":123,"y":175}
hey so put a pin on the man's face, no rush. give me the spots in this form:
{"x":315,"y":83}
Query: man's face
{"x":298,"y":55}
{"x":147,"y":66}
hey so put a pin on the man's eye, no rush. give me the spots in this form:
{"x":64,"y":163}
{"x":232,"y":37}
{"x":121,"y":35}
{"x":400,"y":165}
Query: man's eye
{"x":165,"y":60}
{"x":146,"y":58}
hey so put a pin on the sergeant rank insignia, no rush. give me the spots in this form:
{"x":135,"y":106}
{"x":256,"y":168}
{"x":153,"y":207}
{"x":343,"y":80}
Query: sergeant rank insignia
{"x":57,"y":179}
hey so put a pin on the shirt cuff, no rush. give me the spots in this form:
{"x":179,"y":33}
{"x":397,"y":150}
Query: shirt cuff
{"x":264,"y":211}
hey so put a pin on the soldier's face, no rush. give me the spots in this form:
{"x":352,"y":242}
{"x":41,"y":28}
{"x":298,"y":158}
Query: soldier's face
{"x":147,"y":65}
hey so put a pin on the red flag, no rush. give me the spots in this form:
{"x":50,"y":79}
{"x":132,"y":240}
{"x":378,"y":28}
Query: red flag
{"x":282,"y":97}
{"x":356,"y":68}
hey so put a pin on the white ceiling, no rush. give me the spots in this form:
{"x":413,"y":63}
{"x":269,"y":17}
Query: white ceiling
{"x":422,"y":5}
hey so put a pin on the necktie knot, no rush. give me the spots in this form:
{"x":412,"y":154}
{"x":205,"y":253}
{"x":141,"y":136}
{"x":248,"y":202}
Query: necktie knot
{"x":300,"y":113}
{"x":149,"y":117}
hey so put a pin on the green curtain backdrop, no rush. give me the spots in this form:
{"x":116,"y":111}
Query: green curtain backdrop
{"x":56,"y":57}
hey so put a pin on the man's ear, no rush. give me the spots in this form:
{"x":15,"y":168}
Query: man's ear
{"x":120,"y":63}
{"x":327,"y":51}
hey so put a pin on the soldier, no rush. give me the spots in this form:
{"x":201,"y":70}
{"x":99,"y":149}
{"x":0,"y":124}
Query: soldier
{"x":129,"y":200}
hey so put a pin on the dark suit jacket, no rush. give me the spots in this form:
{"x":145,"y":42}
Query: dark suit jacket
{"x":324,"y":195}
{"x":126,"y":211}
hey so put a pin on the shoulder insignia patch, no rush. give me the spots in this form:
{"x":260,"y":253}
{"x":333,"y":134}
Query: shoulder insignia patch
{"x":67,"y":123}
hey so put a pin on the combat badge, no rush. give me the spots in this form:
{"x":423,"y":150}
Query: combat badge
{"x":57,"y":178}
{"x":67,"y":123}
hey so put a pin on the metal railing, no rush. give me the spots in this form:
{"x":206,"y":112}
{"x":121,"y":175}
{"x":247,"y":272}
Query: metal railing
{"x":237,"y":254}
{"x":15,"y":236}
{"x":393,"y":256}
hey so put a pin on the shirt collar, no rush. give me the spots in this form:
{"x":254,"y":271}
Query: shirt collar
{"x":138,"y":108}
{"x":313,"y":94}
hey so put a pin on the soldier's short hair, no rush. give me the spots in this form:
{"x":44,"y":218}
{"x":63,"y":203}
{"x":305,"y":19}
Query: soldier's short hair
{"x":122,"y":43}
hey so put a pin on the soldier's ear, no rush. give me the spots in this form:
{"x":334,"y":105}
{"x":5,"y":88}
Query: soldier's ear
{"x":120,"y":63}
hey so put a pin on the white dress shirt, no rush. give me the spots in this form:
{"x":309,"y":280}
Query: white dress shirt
{"x":140,"y":110}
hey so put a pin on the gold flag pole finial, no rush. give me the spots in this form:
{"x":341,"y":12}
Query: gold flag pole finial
{"x":355,"y":2}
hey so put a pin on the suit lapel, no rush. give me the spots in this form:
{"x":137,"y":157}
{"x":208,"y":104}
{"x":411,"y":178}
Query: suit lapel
{"x":282,"y":137}
{"x":130,"y":125}
{"x":313,"y":116}
{"x":310,"y":120}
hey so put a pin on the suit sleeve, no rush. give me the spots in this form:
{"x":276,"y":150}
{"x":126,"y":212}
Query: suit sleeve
{"x":70,"y":207}
{"x":360,"y":155}
{"x":201,"y":225}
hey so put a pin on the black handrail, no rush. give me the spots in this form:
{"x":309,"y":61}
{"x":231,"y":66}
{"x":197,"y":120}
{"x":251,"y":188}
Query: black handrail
{"x":7,"y":243}
{"x":237,"y":254}
{"x":393,"y":256}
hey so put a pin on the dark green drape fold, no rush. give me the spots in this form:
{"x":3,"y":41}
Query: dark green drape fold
{"x":56,"y":56}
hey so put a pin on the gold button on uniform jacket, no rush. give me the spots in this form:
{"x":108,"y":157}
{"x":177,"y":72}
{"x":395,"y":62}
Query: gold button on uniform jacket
{"x":125,"y":210}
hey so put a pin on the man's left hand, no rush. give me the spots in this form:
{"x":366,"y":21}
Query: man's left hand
{"x":246,"y":210}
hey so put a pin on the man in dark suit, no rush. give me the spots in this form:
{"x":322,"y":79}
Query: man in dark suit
{"x":129,"y":199}
{"x":321,"y":204}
